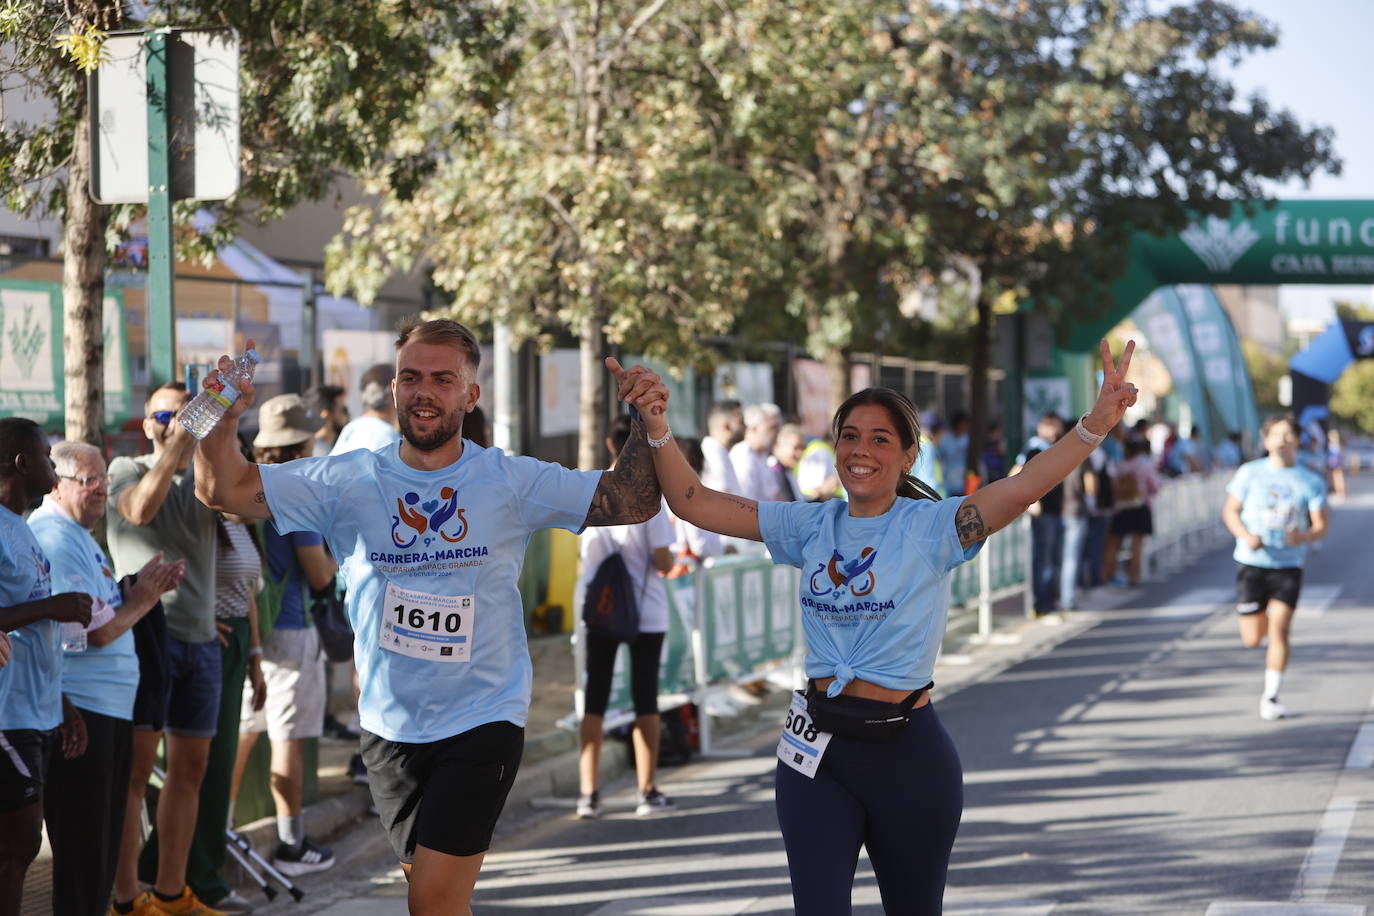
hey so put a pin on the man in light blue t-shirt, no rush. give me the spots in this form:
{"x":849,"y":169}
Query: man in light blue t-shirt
{"x":85,"y":807}
{"x":32,"y":707}
{"x":375,"y":427}
{"x":1274,"y":507}
{"x":430,"y":534}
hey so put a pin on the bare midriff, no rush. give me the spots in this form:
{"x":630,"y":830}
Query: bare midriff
{"x":870,"y":691}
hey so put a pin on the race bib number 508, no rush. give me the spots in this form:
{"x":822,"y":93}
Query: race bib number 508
{"x":435,"y":628}
{"x":802,"y":745}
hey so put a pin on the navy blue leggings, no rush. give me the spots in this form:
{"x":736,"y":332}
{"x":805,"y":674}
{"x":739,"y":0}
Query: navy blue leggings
{"x":901,"y":799}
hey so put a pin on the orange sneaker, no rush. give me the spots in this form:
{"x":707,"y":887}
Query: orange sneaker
{"x":143,"y":906}
{"x":188,"y":904}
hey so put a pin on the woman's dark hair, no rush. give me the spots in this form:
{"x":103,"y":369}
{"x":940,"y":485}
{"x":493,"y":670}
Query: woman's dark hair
{"x":908,"y":424}
{"x":1137,"y":445}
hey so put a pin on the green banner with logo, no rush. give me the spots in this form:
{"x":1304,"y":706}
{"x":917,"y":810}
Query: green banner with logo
{"x":32,"y":374}
{"x":1289,"y":241}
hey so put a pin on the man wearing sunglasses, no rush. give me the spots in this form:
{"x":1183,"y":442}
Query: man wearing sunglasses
{"x":153,"y":509}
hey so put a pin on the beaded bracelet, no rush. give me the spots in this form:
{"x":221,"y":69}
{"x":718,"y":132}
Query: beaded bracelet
{"x":1092,"y":439}
{"x":658,"y":443}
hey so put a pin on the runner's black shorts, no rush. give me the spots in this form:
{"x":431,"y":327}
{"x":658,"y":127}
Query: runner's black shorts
{"x":444,"y":795}
{"x":1256,"y":586}
{"x":24,"y":757}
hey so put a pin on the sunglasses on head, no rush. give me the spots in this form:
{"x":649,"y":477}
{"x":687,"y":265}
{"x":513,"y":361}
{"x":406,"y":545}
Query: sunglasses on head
{"x":163,"y":416}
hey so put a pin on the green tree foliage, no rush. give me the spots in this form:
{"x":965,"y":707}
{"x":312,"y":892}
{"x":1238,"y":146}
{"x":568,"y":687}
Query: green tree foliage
{"x":1354,"y":311}
{"x":1065,"y":126}
{"x":602,"y":202}
{"x":1266,"y":368}
{"x":325,"y":88}
{"x":1352,"y":396}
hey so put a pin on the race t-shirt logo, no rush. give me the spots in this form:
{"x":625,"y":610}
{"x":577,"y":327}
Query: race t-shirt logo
{"x":1220,"y":245}
{"x":855,"y":575}
{"x":428,"y":519}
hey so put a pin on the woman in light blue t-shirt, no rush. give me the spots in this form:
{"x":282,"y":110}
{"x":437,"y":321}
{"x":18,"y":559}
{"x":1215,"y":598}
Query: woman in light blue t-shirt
{"x":863,"y":759}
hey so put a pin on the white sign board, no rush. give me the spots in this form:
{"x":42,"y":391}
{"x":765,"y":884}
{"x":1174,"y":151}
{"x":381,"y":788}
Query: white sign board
{"x":203,"y":102}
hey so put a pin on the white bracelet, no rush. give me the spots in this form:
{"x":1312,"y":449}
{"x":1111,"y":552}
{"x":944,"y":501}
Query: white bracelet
{"x":255,"y":650}
{"x":1091,"y":438}
{"x":658,"y":443}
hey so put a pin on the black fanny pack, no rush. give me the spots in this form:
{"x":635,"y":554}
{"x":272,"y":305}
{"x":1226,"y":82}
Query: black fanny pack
{"x":857,"y":717}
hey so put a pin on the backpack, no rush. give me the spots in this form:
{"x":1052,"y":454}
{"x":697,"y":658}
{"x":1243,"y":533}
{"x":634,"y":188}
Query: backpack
{"x":609,"y":605}
{"x":1127,"y":486}
{"x":325,"y":609}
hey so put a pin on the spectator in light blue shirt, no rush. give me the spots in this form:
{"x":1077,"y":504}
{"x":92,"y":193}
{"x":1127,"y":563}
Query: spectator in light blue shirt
{"x":86,"y":795}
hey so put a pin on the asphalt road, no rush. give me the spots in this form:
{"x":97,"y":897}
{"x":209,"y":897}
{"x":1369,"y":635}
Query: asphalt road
{"x":1113,"y":765}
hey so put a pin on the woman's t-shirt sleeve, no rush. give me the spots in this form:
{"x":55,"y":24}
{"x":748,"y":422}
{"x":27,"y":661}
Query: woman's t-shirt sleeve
{"x":933,"y":524}
{"x":787,"y":526}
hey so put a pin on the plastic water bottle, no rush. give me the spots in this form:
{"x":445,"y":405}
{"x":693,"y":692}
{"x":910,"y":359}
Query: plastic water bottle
{"x":217,"y":395}
{"x":73,"y":637}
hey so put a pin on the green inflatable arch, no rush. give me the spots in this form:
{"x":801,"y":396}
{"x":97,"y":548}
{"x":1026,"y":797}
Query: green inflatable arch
{"x":1290,"y":241}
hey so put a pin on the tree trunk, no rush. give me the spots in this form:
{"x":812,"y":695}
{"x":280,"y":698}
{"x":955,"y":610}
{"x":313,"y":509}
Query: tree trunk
{"x":591,"y":427}
{"x":83,"y":294}
{"x":978,"y":383}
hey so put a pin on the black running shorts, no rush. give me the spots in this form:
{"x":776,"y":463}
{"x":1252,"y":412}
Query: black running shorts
{"x":1256,"y":586}
{"x":444,"y":795}
{"x":24,"y":757}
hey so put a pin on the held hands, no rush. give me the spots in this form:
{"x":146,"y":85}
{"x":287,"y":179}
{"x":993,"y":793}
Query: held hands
{"x":642,"y":388}
{"x":1116,"y":395}
{"x":70,"y":607}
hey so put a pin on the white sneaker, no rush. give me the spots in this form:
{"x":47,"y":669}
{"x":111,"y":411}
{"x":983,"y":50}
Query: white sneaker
{"x":589,"y":806}
{"x":1271,"y":708}
{"x":652,"y":802}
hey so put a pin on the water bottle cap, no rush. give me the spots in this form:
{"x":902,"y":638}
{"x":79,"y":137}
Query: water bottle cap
{"x":253,"y":355}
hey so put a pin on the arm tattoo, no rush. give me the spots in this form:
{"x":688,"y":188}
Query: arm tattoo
{"x":260,"y":497}
{"x":628,"y":493}
{"x":969,"y":523}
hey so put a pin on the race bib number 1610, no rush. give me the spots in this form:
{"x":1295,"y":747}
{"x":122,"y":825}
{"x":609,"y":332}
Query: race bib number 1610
{"x":436,"y":628}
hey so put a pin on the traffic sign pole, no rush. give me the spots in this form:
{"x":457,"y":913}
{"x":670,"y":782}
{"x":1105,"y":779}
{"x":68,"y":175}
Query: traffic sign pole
{"x":161,"y":303}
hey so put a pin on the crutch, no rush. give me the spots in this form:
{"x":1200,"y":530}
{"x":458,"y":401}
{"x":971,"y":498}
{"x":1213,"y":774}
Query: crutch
{"x":239,"y":848}
{"x":239,"y":845}
{"x":237,"y":855}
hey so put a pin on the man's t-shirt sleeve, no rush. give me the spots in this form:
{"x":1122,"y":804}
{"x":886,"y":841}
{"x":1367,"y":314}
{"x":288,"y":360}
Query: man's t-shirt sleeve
{"x":548,"y":495}
{"x":303,"y":494}
{"x":1239,"y":482}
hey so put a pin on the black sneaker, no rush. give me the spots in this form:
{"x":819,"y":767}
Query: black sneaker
{"x":302,"y":859}
{"x":357,"y":769}
{"x":334,"y":730}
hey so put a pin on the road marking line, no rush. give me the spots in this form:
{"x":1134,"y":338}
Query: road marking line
{"x":1238,"y":908}
{"x":1319,"y":868}
{"x":1361,"y":749}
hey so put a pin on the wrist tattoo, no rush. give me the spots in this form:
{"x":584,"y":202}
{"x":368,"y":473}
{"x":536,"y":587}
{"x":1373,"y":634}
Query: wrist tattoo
{"x":260,"y":497}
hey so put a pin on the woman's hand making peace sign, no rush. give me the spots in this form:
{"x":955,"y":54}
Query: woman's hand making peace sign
{"x":1116,"y":395}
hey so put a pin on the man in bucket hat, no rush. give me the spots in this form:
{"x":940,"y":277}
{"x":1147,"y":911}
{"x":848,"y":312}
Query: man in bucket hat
{"x":292,"y":664}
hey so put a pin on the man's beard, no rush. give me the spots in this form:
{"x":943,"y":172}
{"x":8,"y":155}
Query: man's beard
{"x":449,"y":426}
